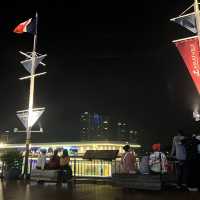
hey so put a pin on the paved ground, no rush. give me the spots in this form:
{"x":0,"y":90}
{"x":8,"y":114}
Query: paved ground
{"x":23,"y":191}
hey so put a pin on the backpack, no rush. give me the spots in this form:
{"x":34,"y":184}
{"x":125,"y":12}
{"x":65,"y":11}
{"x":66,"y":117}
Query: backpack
{"x":157,"y":162}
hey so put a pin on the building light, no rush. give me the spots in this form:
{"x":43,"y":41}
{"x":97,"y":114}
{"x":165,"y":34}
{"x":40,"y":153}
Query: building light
{"x":105,"y":122}
{"x":196,"y":115}
{"x":2,"y":145}
{"x":131,"y":131}
{"x":119,"y":123}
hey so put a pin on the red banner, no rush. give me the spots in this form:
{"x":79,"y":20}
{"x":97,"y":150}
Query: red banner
{"x":190,"y":52}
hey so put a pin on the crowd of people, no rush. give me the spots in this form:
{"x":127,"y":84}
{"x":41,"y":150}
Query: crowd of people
{"x":55,"y":163}
{"x":185,"y":154}
{"x":186,"y":151}
{"x":155,"y":162}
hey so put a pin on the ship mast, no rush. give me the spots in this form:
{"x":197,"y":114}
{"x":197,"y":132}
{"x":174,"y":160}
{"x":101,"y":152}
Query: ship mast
{"x":29,"y":116}
{"x":197,"y":17}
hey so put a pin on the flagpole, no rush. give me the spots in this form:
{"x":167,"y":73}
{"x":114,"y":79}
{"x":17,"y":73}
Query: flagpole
{"x":31,"y":100}
{"x":197,"y":16}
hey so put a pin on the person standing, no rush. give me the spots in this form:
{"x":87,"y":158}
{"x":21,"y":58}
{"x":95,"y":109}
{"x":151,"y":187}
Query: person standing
{"x":192,"y":160}
{"x":198,"y":162}
{"x":179,"y":153}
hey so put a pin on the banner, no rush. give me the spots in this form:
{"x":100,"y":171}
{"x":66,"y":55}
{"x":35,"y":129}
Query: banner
{"x":189,"y":50}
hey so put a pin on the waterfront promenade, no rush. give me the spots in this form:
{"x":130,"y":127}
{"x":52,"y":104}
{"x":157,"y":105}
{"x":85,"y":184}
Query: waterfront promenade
{"x":84,"y":191}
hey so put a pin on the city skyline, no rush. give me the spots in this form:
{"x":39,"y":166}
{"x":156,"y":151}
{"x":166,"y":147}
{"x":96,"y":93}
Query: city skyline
{"x":97,"y":126}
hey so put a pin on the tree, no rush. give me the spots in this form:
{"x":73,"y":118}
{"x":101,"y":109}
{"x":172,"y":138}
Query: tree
{"x":13,"y":163}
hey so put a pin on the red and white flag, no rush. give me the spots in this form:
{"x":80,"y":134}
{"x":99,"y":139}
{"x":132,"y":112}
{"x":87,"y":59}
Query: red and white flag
{"x":28,"y":26}
{"x":190,"y":52}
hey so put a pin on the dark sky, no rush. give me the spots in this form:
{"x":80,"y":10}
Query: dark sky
{"x":109,"y":57}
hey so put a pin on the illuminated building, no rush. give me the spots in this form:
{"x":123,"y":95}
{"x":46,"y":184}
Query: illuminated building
{"x":94,"y":127}
{"x":80,"y":166}
{"x":122,"y":131}
{"x":85,"y":126}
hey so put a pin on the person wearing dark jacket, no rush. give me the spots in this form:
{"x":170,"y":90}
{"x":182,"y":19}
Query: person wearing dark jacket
{"x":179,"y":153}
{"x":54,"y":162}
{"x":192,"y":161}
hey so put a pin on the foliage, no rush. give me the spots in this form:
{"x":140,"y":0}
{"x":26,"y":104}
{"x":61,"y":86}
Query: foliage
{"x":12,"y":159}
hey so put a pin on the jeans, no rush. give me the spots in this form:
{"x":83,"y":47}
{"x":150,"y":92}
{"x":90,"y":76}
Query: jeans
{"x":181,"y":172}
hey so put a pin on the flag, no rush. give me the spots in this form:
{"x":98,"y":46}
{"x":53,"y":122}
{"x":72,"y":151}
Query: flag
{"x":189,"y":50}
{"x":28,"y":26}
{"x":187,"y":21}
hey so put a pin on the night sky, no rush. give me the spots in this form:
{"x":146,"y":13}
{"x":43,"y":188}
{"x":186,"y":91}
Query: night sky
{"x":109,"y":57}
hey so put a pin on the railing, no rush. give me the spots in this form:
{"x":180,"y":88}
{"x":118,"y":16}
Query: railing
{"x":88,"y":168}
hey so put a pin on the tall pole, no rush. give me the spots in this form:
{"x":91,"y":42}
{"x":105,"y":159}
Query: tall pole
{"x":31,"y":95}
{"x":197,"y":16}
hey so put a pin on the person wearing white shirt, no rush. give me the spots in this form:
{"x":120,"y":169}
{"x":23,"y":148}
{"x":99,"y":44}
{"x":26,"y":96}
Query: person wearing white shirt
{"x":41,"y":162}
